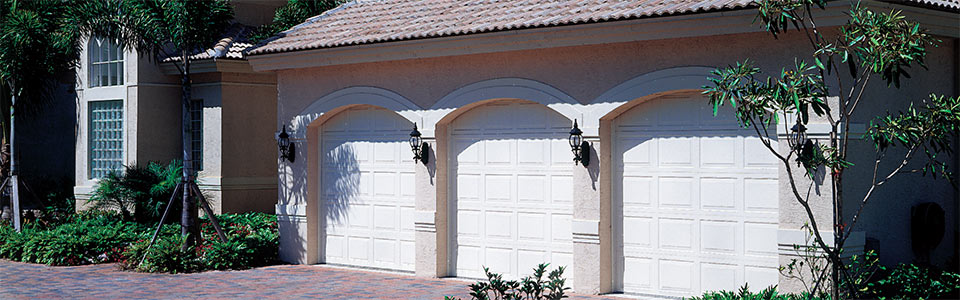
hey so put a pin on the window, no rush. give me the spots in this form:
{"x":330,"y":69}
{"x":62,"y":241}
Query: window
{"x":105,"y":137}
{"x":105,"y":66}
{"x":196,"y":133}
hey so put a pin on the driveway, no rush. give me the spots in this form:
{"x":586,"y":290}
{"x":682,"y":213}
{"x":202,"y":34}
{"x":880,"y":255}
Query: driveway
{"x":23,"y":281}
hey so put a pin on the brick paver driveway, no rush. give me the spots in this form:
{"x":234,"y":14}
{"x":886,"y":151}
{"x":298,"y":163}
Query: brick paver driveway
{"x":22,"y":281}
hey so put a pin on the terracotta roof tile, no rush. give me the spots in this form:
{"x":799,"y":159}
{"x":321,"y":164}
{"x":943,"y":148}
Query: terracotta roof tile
{"x":365,"y":21}
{"x":233,"y":45}
{"x":374,"y":21}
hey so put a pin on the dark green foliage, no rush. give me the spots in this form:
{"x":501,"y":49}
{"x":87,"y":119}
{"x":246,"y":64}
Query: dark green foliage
{"x":165,"y":256}
{"x":252,"y":241}
{"x":143,"y":189}
{"x":530,"y":287}
{"x":82,"y":239}
{"x":292,"y":14}
{"x":929,"y":125}
{"x":99,"y":237}
{"x":906,"y":281}
{"x":744,"y":293}
{"x":167,"y":28}
{"x":915,"y":282}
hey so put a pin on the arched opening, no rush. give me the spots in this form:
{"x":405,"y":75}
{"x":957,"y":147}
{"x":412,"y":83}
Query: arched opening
{"x":505,"y":183}
{"x":362,"y":185}
{"x":693,"y":197}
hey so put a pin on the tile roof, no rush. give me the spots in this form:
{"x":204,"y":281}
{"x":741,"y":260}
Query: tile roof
{"x":233,"y":45}
{"x":364,"y":22}
{"x":952,"y":5}
{"x":374,"y":21}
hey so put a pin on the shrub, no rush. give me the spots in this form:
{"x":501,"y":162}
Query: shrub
{"x":165,"y":256}
{"x":252,"y":241}
{"x":530,"y":287}
{"x":98,"y":237}
{"x":81,"y":239}
{"x":769,"y":293}
{"x":908,"y":281}
{"x":143,"y":189}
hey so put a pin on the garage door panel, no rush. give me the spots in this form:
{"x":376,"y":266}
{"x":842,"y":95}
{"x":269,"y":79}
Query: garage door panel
{"x":368,"y":196}
{"x":697,"y":200}
{"x":719,"y":236}
{"x":512,"y":169}
{"x":719,"y":193}
{"x":719,"y":152}
{"x":757,"y":155}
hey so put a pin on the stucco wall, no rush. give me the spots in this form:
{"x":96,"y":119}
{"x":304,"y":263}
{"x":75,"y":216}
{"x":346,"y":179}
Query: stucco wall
{"x":587,"y":74}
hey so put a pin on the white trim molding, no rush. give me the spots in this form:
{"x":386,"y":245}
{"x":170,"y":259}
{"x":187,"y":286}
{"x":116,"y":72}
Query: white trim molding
{"x":352,"y":96}
{"x":425,"y":221}
{"x":586,"y":231}
{"x":503,"y":88}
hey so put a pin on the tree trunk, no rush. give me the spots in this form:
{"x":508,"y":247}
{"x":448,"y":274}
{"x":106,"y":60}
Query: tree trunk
{"x":188,"y":220}
{"x":14,"y":182}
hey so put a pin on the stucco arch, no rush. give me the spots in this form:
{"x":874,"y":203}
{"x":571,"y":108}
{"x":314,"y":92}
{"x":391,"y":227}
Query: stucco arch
{"x":503,"y":88}
{"x":328,"y":105}
{"x":647,"y":86}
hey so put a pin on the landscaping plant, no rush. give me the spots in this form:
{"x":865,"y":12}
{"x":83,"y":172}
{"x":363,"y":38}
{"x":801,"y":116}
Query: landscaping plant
{"x":530,"y":287}
{"x":103,"y":237}
{"x":143,"y":189}
{"x":769,"y":293}
{"x":871,"y":46}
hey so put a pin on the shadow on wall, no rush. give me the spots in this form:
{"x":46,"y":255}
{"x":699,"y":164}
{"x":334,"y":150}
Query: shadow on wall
{"x":292,"y":187}
{"x":341,"y":182}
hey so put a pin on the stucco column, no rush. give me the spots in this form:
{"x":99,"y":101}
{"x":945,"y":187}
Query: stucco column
{"x":589,"y":274}
{"x":298,"y":212}
{"x":428,"y":257}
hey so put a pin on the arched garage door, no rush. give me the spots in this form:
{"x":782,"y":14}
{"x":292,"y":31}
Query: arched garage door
{"x":512,"y":189}
{"x":696,"y":198}
{"x":368,"y":190}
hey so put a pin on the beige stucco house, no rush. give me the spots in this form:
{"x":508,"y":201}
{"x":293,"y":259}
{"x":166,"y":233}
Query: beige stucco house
{"x":674,"y":200}
{"x":129,"y":113}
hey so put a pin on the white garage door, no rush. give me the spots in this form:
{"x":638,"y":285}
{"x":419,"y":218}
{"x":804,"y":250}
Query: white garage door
{"x":368,"y":184}
{"x":511,"y":171}
{"x":697,"y":200}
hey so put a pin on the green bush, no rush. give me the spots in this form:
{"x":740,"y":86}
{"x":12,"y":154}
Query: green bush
{"x":769,"y":293}
{"x":165,"y":256}
{"x":98,"y":237}
{"x":908,"y":281}
{"x":530,"y":287}
{"x":81,"y":239}
{"x":905,"y":281}
{"x":139,"y":193}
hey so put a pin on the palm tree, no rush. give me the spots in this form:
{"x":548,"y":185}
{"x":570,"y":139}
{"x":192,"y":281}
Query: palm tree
{"x":163,"y":29}
{"x":35,"y":45}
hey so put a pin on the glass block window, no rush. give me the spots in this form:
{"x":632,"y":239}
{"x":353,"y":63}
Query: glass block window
{"x":105,"y":63}
{"x":105,"y":137}
{"x":196,"y":133}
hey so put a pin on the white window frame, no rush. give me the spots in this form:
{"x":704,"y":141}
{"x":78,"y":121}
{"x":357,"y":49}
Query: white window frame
{"x":105,"y":137}
{"x":104,"y":63}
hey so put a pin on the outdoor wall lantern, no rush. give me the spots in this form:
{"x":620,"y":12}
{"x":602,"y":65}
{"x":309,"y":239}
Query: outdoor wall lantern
{"x":798,"y":136}
{"x":287,"y":149}
{"x":421,"y":150}
{"x":580,"y":148}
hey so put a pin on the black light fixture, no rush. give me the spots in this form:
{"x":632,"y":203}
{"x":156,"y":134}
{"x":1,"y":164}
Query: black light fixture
{"x":287,"y":149}
{"x":580,"y":148}
{"x":421,"y":150}
{"x":798,"y":136}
